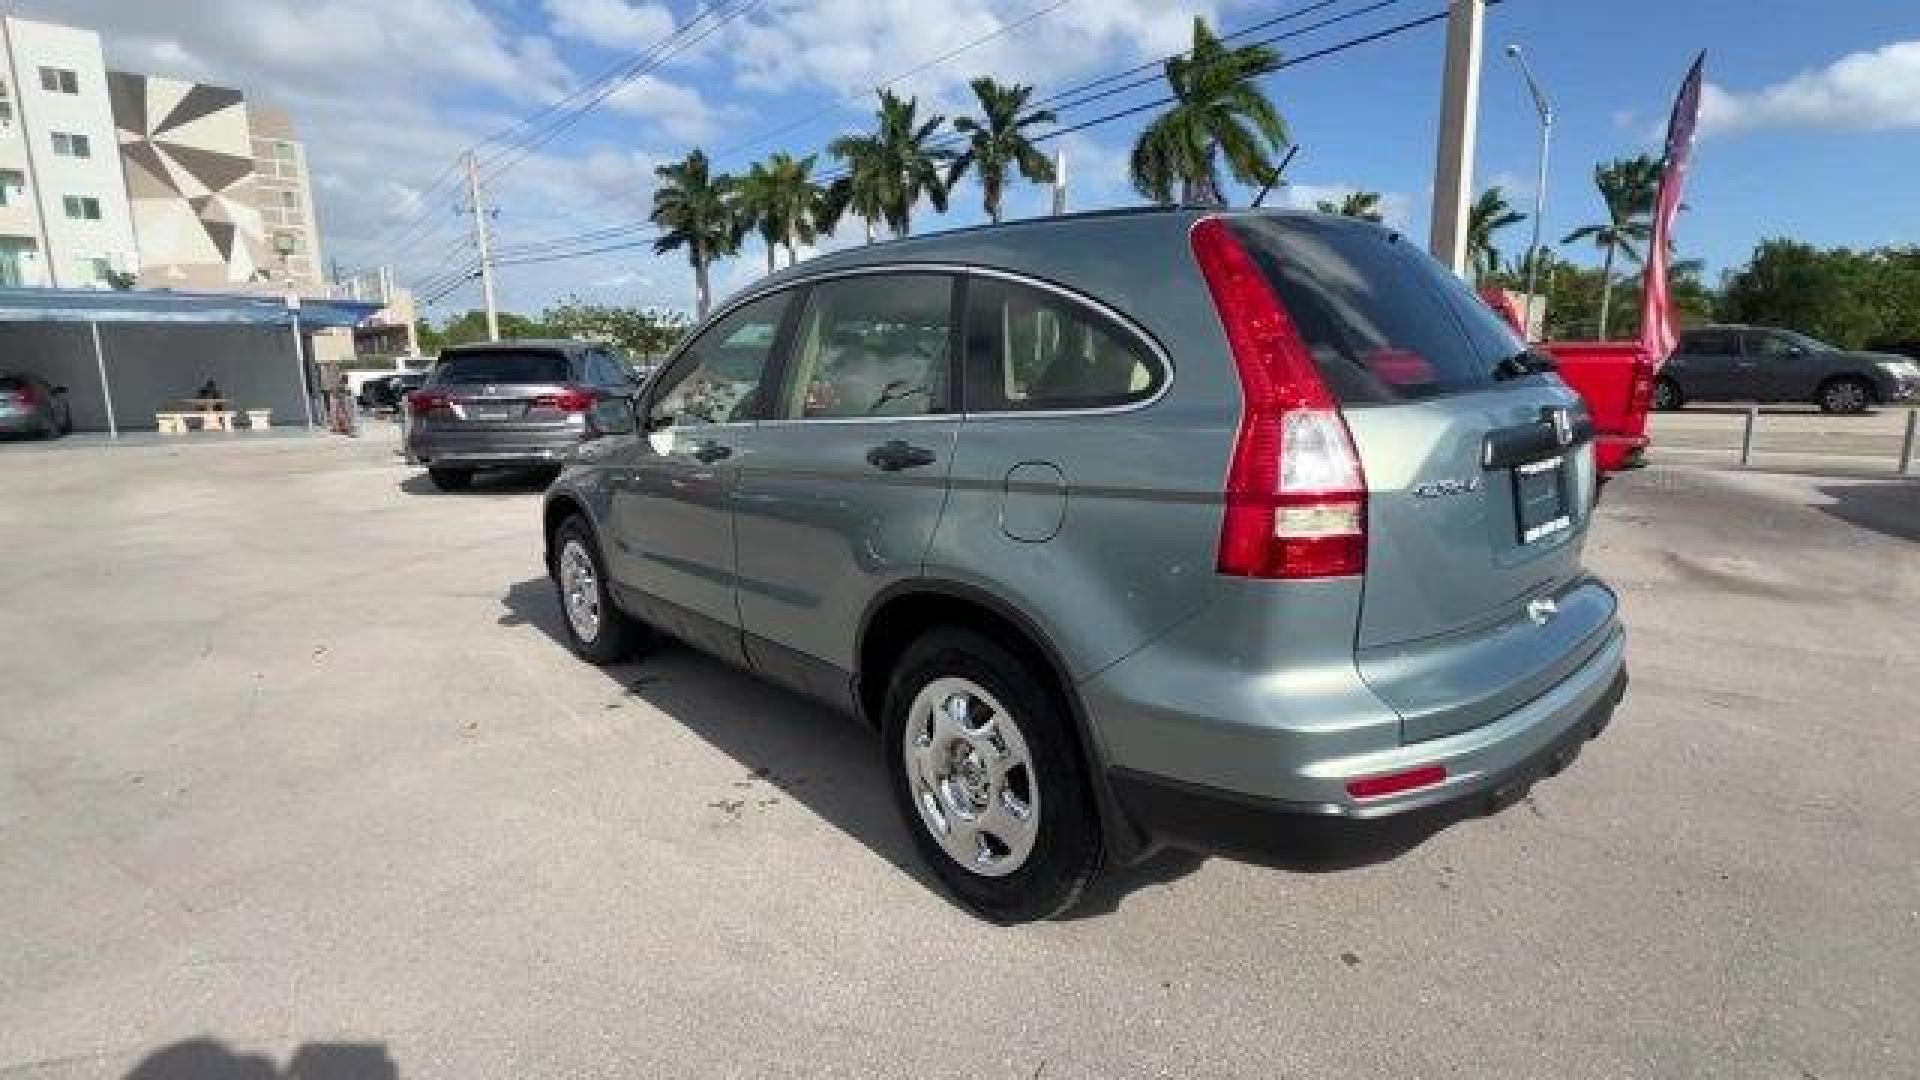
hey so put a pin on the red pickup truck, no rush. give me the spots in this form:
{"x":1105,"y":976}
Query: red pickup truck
{"x":1615,"y":378}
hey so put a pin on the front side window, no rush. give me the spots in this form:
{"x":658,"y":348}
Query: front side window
{"x":1028,"y":348}
{"x":717,"y":379}
{"x":872,"y":346}
{"x":1712,"y":343}
{"x":59,"y":81}
{"x":1770,"y":346}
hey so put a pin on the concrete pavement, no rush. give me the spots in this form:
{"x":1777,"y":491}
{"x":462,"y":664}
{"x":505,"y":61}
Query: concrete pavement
{"x":294,"y":764}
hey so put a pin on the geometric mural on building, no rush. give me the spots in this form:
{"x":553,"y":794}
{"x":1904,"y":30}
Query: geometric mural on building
{"x":187,"y":152}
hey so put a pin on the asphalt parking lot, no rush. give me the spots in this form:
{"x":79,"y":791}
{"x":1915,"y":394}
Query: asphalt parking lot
{"x":296,"y":767}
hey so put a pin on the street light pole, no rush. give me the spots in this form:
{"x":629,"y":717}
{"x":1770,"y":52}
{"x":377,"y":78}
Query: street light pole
{"x":1545,"y":110}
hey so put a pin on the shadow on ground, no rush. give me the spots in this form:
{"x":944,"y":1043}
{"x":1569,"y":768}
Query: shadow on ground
{"x":1890,"y":507}
{"x":209,"y":1059}
{"x":831,"y":764}
{"x":485,"y":482}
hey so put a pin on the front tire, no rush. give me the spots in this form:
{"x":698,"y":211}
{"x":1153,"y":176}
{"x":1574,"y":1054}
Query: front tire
{"x":989,"y":778}
{"x":1667,"y":396}
{"x":451,"y":479}
{"x":596,"y":628}
{"x":1845,"y":395}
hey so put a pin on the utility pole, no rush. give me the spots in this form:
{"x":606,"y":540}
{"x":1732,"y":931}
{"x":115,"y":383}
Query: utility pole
{"x":1459,"y":121}
{"x":1059,"y":182}
{"x":480,"y":242}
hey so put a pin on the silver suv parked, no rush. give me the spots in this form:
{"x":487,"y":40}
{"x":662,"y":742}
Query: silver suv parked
{"x":1124,"y":530}
{"x":509,"y":403}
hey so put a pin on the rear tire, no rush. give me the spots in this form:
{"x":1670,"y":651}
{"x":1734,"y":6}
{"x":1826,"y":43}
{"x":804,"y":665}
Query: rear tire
{"x":962,"y":777}
{"x":1667,"y":396}
{"x":451,"y":479}
{"x":1845,"y":394}
{"x":598,"y":630}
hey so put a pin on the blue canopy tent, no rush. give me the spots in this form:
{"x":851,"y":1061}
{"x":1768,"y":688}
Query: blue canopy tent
{"x":158,"y":346}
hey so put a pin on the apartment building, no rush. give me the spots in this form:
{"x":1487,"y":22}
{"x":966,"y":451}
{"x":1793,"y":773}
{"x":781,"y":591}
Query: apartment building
{"x":116,"y":178}
{"x":66,"y":222}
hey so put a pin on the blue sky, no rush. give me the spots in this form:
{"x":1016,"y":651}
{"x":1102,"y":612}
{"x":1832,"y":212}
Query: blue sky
{"x":1812,"y":127}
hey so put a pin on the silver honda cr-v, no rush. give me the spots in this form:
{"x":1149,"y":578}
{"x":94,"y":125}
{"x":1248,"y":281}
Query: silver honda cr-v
{"x":1124,"y":530}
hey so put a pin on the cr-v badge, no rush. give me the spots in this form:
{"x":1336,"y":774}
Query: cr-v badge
{"x":1435,"y":489}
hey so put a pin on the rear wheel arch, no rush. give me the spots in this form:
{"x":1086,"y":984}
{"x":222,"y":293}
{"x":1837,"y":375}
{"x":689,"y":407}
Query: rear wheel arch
{"x":906,"y":611}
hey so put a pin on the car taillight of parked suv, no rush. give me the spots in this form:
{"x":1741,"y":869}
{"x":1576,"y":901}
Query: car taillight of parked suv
{"x":1123,"y":530}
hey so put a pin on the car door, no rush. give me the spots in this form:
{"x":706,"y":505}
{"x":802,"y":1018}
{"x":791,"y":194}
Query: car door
{"x":1780,"y":368}
{"x":1708,"y":366}
{"x":848,"y":473}
{"x":672,"y":489}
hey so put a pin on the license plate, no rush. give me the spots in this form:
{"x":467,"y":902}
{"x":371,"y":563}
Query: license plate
{"x":481,"y":410}
{"x":1540,"y":499}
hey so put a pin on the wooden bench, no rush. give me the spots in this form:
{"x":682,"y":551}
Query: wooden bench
{"x":179,"y":423}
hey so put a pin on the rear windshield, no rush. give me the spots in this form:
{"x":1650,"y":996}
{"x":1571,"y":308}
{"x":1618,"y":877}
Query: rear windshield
{"x":503,"y":366}
{"x":1384,"y":321}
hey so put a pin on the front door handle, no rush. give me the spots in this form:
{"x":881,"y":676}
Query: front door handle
{"x":709,"y":452}
{"x":897,"y":454}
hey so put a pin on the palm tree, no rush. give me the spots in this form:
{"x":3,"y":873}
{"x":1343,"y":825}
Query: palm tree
{"x":1627,"y":188}
{"x":780,"y":199}
{"x":695,"y":210}
{"x":861,"y":189}
{"x":898,"y":163}
{"x":999,"y":141}
{"x":1219,"y":110}
{"x":1488,"y":215}
{"x":1364,"y":205}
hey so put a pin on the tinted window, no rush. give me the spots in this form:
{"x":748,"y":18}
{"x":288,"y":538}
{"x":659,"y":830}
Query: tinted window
{"x":1711,"y":343}
{"x":1771,"y":346}
{"x":1028,"y":348}
{"x":503,"y":366}
{"x":717,"y":379}
{"x":603,"y":370}
{"x":1384,"y":321}
{"x":872,"y":345}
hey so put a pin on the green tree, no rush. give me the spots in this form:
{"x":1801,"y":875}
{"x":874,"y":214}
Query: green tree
{"x":780,"y":199}
{"x":645,"y":332}
{"x":1364,"y":205}
{"x":471,"y":326}
{"x":998,"y":142}
{"x":1218,"y":111}
{"x":756,"y":206}
{"x":862,"y":189}
{"x":1488,"y":215}
{"x":899,"y":161}
{"x":1627,"y":189}
{"x":1837,"y":295}
{"x":694,"y":210}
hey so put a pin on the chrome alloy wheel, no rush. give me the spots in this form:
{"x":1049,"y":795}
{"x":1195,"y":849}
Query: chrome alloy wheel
{"x":580,"y":590}
{"x":972,"y":776}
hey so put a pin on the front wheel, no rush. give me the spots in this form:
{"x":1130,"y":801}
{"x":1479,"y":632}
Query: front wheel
{"x":1847,"y":395}
{"x":598,"y":631}
{"x":986,"y":771}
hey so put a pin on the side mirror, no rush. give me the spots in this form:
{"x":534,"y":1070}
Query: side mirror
{"x":610,"y":416}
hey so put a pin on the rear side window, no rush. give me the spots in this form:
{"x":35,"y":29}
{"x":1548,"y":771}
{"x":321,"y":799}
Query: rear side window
{"x":1028,"y":348}
{"x":872,"y":346}
{"x":503,"y":366}
{"x":1712,"y":343}
{"x":1384,"y":321}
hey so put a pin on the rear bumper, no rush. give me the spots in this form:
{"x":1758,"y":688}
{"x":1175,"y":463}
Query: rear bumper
{"x":1237,"y":782}
{"x":482,"y":449}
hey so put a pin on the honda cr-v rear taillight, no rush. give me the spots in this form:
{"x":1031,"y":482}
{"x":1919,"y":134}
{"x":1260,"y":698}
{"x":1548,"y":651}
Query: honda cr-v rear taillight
{"x":571,"y":400}
{"x":422,"y":402}
{"x":1296,"y":498}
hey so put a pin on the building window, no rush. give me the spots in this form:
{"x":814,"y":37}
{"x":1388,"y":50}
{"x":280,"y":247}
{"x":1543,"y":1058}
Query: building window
{"x":70,"y":145}
{"x":16,"y":261}
{"x":6,"y":113}
{"x":82,"y":207}
{"x":102,"y":271}
{"x":13,"y":186}
{"x":59,"y":81}
{"x":290,"y":200}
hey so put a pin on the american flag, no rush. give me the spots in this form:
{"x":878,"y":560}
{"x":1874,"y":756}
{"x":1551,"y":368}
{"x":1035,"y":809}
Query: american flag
{"x":1657,"y":336}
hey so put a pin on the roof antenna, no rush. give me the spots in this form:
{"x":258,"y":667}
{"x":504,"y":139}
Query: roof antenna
{"x":1277,"y":171}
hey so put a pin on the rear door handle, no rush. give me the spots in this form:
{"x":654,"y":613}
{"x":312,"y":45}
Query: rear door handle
{"x":897,"y":454}
{"x":709,"y":452}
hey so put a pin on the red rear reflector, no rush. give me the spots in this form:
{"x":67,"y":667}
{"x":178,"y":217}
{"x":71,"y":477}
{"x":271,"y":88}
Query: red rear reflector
{"x":1295,"y":494}
{"x":1373,"y":787}
{"x":572,"y":399}
{"x":422,"y":402}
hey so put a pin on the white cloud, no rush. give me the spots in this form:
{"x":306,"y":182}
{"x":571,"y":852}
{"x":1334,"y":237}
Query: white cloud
{"x":1396,"y":207}
{"x":613,"y":24}
{"x":1876,"y":90}
{"x":681,"y":112}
